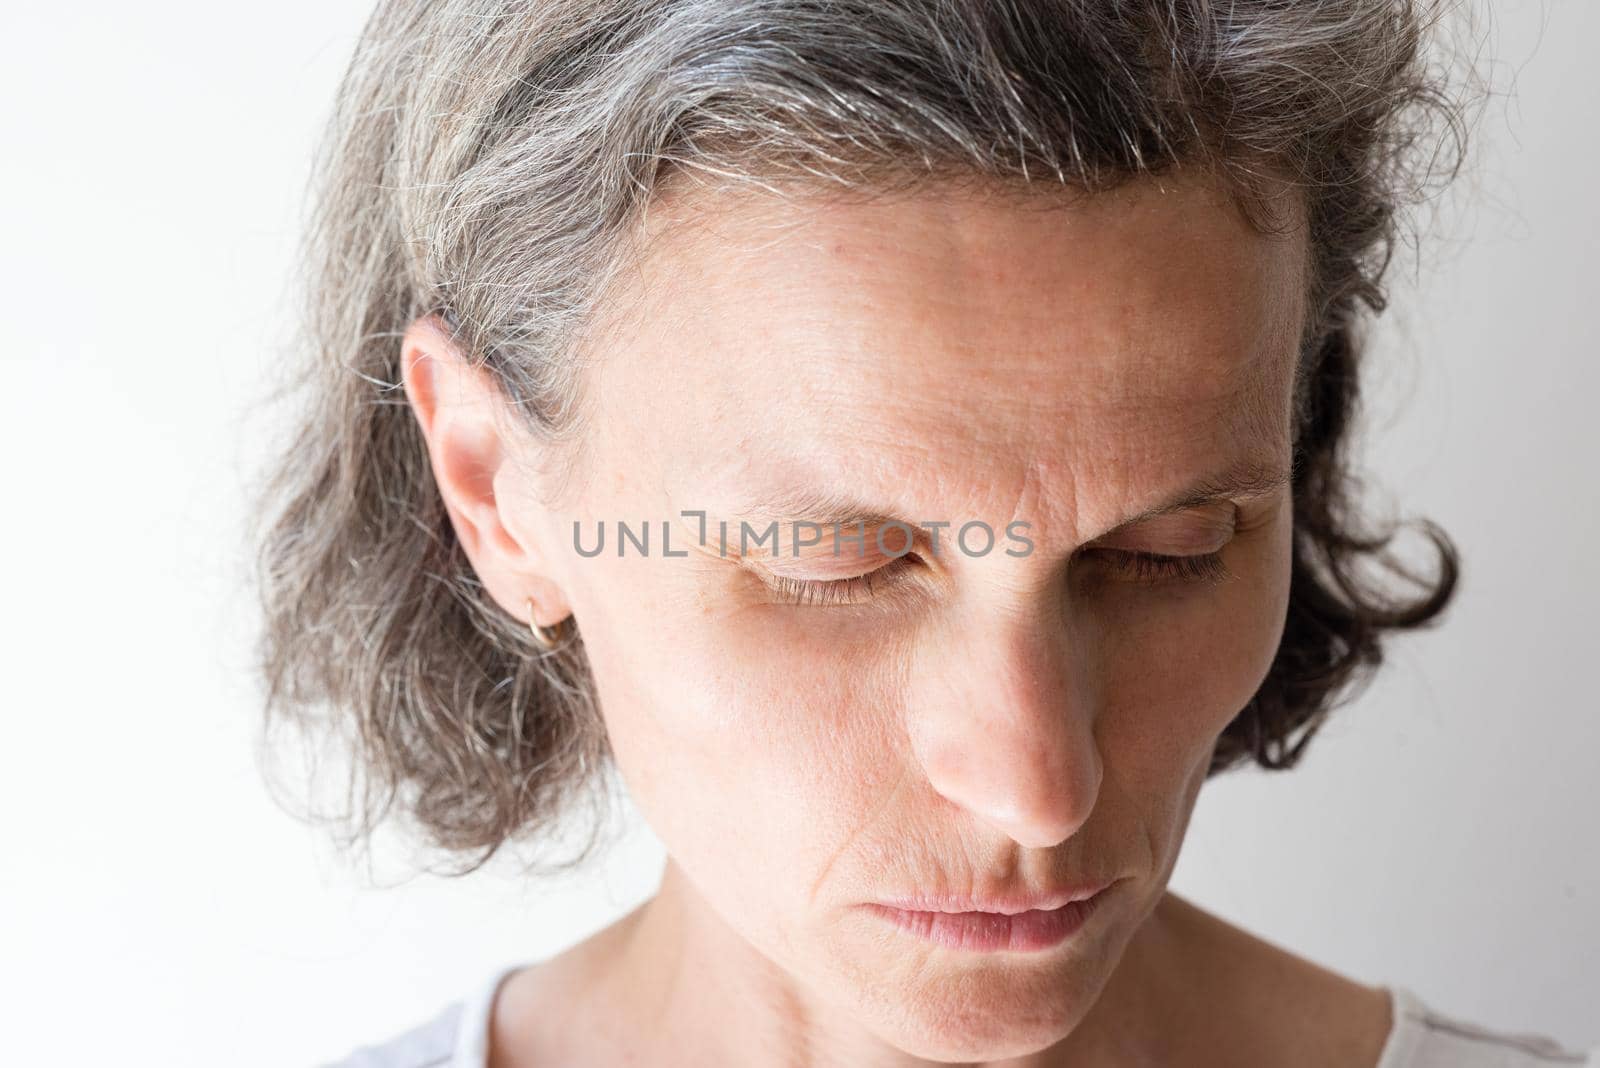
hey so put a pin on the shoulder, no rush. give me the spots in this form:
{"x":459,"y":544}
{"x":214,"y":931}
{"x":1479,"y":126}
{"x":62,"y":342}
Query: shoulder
{"x":1423,"y":1037}
{"x":1263,"y":1004}
{"x":430,"y":1044}
{"x":1279,"y":1008}
{"x":455,"y":1037}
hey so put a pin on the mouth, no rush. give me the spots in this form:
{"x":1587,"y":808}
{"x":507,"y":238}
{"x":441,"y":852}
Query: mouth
{"x":1027,"y":931}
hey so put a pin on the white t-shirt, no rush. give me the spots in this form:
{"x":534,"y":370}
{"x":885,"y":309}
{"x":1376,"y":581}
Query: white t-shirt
{"x":458,"y":1037}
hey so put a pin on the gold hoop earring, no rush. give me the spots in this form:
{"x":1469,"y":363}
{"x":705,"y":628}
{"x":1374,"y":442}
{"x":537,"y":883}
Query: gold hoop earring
{"x":549,"y":638}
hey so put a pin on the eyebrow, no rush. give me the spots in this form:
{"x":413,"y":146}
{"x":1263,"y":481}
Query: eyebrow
{"x":1250,"y":478}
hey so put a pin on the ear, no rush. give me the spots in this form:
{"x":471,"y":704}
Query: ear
{"x":462,"y":415}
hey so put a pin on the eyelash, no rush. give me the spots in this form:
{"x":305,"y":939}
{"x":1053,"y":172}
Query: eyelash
{"x":1140,"y":567}
{"x":836,"y":591}
{"x":1160,"y":567}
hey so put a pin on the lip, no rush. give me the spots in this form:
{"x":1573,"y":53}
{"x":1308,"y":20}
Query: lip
{"x":1003,"y":926}
{"x":1000,"y":904}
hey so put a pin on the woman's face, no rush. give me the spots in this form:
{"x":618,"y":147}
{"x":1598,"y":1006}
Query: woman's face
{"x":959,"y":722}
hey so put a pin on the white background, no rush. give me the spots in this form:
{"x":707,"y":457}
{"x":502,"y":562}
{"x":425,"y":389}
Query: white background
{"x":156,"y":907}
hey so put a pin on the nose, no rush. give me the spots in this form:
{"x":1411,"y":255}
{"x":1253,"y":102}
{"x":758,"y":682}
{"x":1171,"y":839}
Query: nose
{"x":1004,"y":727}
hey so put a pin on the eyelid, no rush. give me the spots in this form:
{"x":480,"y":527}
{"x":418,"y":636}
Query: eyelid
{"x":853,"y":554}
{"x":854,"y":589}
{"x":1179,"y":534}
{"x":804,"y":568}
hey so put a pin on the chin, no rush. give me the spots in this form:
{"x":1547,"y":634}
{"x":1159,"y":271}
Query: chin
{"x":947,"y":1009}
{"x":985,"y":1025}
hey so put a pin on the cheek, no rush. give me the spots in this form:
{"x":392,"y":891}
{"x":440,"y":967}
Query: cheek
{"x":750,"y":738}
{"x":1178,"y":672}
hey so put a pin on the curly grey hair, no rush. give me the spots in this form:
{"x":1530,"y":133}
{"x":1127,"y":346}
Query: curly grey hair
{"x":493,"y":158}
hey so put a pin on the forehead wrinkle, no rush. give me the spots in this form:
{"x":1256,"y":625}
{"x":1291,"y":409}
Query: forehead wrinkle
{"x":1046,"y":489}
{"x":848,"y":344}
{"x":856,"y":344}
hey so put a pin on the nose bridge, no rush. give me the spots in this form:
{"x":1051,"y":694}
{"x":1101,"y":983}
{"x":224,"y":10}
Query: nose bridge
{"x":1005,"y":727}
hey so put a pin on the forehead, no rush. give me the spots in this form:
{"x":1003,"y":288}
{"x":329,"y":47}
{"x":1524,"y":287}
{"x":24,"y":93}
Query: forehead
{"x":941,"y":344}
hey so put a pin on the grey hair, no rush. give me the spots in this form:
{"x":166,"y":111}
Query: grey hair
{"x":492,"y":159}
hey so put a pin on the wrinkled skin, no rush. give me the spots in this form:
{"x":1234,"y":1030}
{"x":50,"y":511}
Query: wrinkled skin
{"x":968,"y":723}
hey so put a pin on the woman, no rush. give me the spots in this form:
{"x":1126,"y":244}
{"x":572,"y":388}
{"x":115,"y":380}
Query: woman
{"x":905,"y":441}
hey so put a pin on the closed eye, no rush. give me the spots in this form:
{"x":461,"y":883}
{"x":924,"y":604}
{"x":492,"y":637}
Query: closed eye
{"x":1133,"y":565}
{"x":854,"y":590}
{"x":1146,"y":567}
